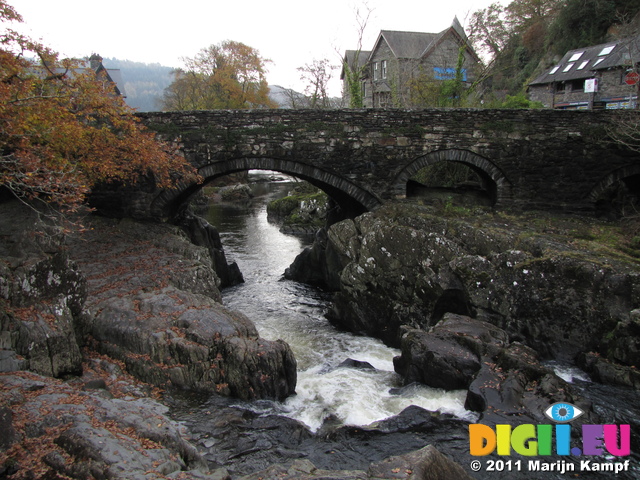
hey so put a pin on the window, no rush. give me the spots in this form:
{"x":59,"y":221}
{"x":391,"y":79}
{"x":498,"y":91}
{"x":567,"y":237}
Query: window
{"x":597,"y":62}
{"x":560,"y":86}
{"x":375,"y":71}
{"x":568,"y":67}
{"x":577,"y":85}
{"x":575,"y":56}
{"x":606,"y":50}
{"x":554,"y":70}
{"x":384,"y":69}
{"x":583,"y":64}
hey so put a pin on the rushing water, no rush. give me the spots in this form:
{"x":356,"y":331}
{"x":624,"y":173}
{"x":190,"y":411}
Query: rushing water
{"x":294,"y":312}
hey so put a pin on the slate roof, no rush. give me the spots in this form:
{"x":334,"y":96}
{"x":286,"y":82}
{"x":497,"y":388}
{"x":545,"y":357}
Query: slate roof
{"x":350,"y":59}
{"x":408,"y":44}
{"x":113,"y":75}
{"x":583,"y":63}
{"x":415,"y":45}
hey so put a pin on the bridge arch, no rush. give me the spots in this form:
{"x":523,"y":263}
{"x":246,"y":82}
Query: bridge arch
{"x":497,"y":184}
{"x":352,"y":199}
{"x":629,"y":174}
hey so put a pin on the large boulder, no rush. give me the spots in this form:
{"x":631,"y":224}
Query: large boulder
{"x":153,"y":303}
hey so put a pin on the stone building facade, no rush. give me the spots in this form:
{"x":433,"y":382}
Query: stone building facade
{"x":399,"y":58}
{"x":597,"y":77}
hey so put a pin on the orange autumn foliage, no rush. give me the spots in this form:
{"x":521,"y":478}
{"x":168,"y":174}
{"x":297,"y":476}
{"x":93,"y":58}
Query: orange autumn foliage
{"x":229,"y":75}
{"x":63,"y":129}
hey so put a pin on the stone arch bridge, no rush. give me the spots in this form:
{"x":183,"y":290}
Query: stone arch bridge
{"x":527,"y":159}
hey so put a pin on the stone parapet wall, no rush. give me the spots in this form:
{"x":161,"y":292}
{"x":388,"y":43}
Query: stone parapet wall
{"x":534,"y":158}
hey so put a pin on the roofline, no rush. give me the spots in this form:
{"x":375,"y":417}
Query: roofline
{"x":441,"y":37}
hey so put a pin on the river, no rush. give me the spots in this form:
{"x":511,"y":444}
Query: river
{"x":294,"y":312}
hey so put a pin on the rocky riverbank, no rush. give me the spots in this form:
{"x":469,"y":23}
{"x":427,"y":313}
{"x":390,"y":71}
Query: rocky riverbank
{"x":548,"y":283}
{"x":100,"y":328}
{"x":480,"y":302}
{"x":118,"y":361}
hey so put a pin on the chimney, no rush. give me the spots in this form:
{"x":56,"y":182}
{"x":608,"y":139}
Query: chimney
{"x":95,"y":61}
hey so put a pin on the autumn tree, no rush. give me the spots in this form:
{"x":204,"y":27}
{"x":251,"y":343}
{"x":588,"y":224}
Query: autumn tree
{"x":63,"y":130}
{"x":228,"y":75}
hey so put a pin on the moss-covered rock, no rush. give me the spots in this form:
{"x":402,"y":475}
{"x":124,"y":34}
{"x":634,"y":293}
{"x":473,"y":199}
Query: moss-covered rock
{"x":559,"y":293}
{"x":303,"y":211}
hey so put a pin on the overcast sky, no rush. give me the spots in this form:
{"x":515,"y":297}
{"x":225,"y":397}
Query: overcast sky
{"x":290,"y":33}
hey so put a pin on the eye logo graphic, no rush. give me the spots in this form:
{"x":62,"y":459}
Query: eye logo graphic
{"x":563,"y":412}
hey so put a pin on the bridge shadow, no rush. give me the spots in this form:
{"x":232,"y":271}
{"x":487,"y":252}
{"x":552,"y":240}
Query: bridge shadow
{"x":618,"y":194}
{"x":493,"y":182}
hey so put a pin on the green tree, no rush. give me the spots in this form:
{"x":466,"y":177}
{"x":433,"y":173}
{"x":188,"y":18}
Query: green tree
{"x":587,"y":22}
{"x":488,"y":30}
{"x":228,"y":75}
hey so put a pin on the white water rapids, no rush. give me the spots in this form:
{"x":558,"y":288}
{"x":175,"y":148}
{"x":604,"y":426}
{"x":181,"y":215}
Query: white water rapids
{"x":295,"y":313}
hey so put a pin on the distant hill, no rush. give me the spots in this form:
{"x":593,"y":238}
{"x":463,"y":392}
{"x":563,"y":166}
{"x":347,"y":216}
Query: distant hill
{"x":144,"y":83}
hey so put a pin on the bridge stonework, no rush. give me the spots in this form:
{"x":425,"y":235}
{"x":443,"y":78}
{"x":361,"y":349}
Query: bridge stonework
{"x":527,"y":159}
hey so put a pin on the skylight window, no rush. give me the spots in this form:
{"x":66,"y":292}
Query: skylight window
{"x":598,"y":61}
{"x":606,"y":50}
{"x":568,"y":67}
{"x":554,"y":70}
{"x":583,"y":64}
{"x":575,"y":56}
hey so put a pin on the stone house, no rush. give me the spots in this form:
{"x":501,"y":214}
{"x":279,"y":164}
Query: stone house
{"x":399,"y":58}
{"x":111,"y":75}
{"x":94,"y":64}
{"x":595,"y":77}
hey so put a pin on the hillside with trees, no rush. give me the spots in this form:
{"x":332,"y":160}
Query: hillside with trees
{"x":526,"y":36}
{"x":144,"y":83}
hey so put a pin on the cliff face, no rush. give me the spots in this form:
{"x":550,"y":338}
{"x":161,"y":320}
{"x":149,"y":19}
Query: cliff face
{"x":402,"y":266}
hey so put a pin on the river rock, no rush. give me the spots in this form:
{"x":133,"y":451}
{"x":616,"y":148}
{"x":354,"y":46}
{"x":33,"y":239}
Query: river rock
{"x":153,"y":303}
{"x":42,"y":292}
{"x":605,"y":371}
{"x":504,"y":379}
{"x":59,"y":429}
{"x":403,"y":266}
{"x":357,"y":364}
{"x":203,"y":234}
{"x":251,"y":445}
